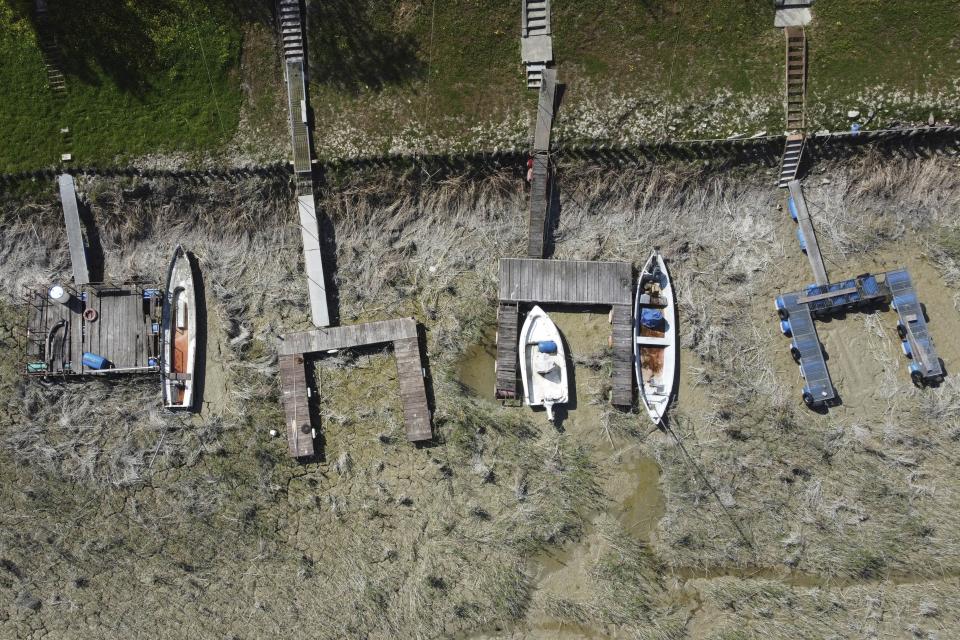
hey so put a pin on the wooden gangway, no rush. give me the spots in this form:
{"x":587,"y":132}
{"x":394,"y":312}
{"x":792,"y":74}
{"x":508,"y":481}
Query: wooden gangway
{"x":808,"y":233}
{"x":525,"y":281}
{"x":295,"y":349}
{"x":540,"y":181}
{"x":71,"y":219}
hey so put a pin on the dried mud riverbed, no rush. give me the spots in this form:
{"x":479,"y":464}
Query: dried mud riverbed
{"x":770,"y":520}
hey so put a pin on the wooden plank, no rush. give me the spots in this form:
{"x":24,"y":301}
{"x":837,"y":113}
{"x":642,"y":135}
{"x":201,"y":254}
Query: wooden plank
{"x":622,"y":392}
{"x":809,"y":234}
{"x":507,"y":337}
{"x":71,"y":217}
{"x":545,"y":115}
{"x":369,"y":333}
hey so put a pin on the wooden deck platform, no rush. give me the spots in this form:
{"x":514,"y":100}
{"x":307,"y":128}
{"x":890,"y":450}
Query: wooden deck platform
{"x":125,"y":331}
{"x":566,"y":282}
{"x":294,"y":348}
{"x":71,"y":218}
{"x":576,"y":283}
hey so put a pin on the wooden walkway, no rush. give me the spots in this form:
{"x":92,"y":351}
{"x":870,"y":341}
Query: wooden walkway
{"x":508,"y":336}
{"x":809,"y":234}
{"x":539,"y":206}
{"x":796,"y":78}
{"x":295,"y":347}
{"x":576,"y":283}
{"x":295,"y":397}
{"x":71,"y":217}
{"x":622,"y":320}
{"x":125,"y":331}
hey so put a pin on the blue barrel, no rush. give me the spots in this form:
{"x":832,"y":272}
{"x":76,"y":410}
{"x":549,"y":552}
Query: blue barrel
{"x":793,"y":208}
{"x":152,"y":362}
{"x":803,"y":241}
{"x":905,"y":344}
{"x":94,"y":361}
{"x":547,"y":346}
{"x":785,"y":328}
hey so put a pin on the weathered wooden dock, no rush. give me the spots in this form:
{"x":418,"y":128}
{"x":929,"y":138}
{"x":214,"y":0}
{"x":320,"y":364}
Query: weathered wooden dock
{"x":71,"y":219}
{"x":124,"y":329}
{"x":575,"y":283}
{"x":809,"y":233}
{"x":296,"y":348}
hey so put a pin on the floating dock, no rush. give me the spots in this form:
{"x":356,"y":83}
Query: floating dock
{"x":296,"y":348}
{"x":576,"y":283}
{"x":118,"y":323}
{"x":71,"y":219}
{"x":912,"y":329}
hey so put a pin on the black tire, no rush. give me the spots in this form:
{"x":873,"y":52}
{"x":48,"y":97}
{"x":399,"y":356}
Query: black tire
{"x":917,"y":379}
{"x":808,"y":399}
{"x":782,"y":313}
{"x":901,"y":331}
{"x":795,"y":353}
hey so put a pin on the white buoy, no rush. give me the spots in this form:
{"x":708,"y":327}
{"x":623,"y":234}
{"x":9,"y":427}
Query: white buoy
{"x":274,"y":433}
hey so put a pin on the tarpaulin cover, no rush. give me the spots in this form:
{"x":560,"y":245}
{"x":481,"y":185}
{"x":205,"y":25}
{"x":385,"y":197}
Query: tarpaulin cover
{"x":652,"y":318}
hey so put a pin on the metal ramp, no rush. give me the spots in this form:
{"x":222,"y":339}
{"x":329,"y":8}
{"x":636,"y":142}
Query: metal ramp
{"x":792,"y":156}
{"x":71,"y":217}
{"x":805,"y":347}
{"x":808,"y":236}
{"x":912,"y":328}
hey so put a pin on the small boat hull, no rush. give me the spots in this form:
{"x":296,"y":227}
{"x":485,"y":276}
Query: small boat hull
{"x":543,"y":366}
{"x":655,"y":338}
{"x":179,"y":332}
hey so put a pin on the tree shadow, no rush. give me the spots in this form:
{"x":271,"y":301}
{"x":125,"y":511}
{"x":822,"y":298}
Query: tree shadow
{"x":108,"y":37}
{"x":351,"y":52}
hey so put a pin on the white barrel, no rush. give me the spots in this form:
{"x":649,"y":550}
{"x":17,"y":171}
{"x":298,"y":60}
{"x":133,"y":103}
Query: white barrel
{"x":59,"y":294}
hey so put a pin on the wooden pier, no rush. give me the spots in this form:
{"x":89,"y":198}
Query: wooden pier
{"x":71,"y":218}
{"x":295,"y":348}
{"x":119,"y":323}
{"x":576,"y":283}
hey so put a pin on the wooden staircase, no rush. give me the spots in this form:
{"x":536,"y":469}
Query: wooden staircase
{"x":291,"y":30}
{"x":536,"y":27}
{"x":790,"y":164}
{"x":796,"y":101}
{"x":52,"y":60}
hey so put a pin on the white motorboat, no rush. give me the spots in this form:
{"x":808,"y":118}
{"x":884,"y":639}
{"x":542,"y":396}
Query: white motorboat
{"x":543,"y":366}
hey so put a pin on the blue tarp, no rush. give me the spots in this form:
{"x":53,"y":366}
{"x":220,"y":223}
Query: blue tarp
{"x":652,"y":319}
{"x":547,"y":346}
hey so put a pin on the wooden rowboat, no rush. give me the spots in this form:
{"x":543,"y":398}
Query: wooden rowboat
{"x":655,"y":337}
{"x":543,"y":364}
{"x":179,"y":333}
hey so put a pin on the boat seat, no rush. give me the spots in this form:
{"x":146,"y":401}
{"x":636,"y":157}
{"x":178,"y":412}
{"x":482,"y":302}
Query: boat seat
{"x":652,"y":301}
{"x":652,"y":341}
{"x":179,"y":376}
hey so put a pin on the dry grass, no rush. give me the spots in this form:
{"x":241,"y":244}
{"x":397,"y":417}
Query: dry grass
{"x":204,"y":528}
